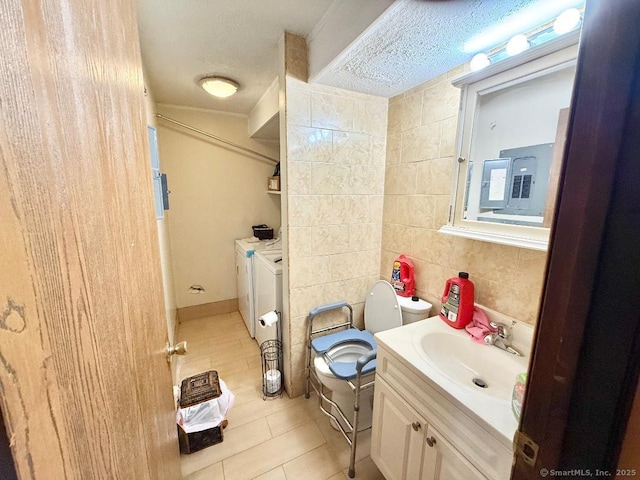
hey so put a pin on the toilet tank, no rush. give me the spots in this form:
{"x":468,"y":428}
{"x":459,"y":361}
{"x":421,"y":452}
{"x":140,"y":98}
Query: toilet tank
{"x":413,"y":309}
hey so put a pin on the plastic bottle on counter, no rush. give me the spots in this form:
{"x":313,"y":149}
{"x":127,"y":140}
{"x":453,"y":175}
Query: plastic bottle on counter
{"x":457,"y":301}
{"x":403,"y":277}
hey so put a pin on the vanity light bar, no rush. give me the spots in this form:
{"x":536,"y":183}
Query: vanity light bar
{"x":566,"y":22}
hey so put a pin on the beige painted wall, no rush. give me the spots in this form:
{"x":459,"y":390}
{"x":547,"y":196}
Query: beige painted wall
{"x":163,"y":238}
{"x":334,"y":188}
{"x":419,"y":165}
{"x":217,"y":194}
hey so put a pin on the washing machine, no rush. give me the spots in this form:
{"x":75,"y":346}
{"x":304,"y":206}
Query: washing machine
{"x":268,"y":291}
{"x":245,"y":251}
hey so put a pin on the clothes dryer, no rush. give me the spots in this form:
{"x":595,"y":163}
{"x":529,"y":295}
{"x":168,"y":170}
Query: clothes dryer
{"x":268,"y":292}
{"x":245,"y":251}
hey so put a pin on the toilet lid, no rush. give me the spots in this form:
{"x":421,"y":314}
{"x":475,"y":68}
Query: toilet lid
{"x":381,"y":308}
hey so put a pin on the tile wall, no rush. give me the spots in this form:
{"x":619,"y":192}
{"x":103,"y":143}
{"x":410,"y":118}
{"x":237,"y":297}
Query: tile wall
{"x":419,"y":165}
{"x":367,"y":179}
{"x":336,"y":143}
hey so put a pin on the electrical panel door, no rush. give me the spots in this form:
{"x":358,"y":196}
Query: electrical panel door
{"x":495,"y":182}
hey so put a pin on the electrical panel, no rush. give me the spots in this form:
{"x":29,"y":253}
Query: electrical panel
{"x":160,"y":186}
{"x":516,"y":183}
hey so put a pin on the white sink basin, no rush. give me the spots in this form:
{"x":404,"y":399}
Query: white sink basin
{"x":448,"y":360}
{"x":484,"y":369}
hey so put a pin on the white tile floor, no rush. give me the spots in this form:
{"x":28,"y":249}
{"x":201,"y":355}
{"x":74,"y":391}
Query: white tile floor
{"x":269,"y":440}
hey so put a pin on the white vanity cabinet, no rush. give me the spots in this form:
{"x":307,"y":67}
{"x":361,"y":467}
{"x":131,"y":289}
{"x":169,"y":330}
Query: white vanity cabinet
{"x":398,"y":435}
{"x":419,"y":435}
{"x":442,"y":461}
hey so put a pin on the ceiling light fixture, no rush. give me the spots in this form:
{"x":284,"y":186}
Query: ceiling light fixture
{"x":519,"y":21}
{"x":479,"y":61}
{"x":567,"y":21}
{"x":219,"y":86}
{"x":518,"y":44}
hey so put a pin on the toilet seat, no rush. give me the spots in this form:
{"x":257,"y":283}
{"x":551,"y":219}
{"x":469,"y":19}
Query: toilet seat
{"x":332,"y":349}
{"x":323,"y":344}
{"x":381,"y":312}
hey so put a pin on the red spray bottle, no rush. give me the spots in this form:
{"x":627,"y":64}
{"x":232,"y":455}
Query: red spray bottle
{"x":457,"y":301}
{"x":402,"y":277}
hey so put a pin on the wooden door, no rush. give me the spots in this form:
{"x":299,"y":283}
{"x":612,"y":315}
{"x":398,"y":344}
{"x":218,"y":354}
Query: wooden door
{"x":586,"y":361}
{"x":85,"y":390}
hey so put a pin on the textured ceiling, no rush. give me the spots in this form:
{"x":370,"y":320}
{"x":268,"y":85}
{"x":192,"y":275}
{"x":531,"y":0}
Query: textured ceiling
{"x":184,"y":40}
{"x":410,"y":43}
{"x":416,"y":40}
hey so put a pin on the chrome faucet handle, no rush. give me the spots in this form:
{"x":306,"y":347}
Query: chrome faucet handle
{"x":490,"y":338}
{"x":497,"y":341}
{"x":503,"y":330}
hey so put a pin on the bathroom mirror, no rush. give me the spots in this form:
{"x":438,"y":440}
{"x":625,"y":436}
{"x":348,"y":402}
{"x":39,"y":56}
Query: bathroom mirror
{"x":511,"y":134}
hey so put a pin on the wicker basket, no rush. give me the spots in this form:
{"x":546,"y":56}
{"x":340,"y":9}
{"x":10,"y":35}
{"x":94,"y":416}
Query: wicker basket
{"x":194,"y":390}
{"x":192,"y":442}
{"x":199,"y":388}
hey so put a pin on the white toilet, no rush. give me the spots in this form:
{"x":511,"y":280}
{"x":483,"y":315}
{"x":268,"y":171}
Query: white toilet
{"x":335,"y":359}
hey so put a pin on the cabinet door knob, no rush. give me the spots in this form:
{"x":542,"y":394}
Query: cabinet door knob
{"x":431,"y":441}
{"x":416,"y":426}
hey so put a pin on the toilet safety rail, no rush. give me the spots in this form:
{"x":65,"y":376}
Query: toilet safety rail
{"x":312,"y":380}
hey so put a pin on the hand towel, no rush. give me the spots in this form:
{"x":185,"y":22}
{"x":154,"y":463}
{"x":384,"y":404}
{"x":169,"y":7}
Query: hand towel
{"x":479,"y":326}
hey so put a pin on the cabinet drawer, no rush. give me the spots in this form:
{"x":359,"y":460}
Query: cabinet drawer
{"x":488,"y":454}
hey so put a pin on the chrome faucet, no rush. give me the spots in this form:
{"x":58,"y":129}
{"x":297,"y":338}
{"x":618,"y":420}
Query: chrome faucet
{"x":500,"y":338}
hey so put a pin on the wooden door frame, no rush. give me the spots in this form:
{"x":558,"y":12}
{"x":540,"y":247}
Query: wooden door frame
{"x":586,"y":356}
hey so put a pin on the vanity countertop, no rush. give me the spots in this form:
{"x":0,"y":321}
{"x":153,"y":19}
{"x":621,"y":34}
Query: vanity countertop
{"x":493,"y":412}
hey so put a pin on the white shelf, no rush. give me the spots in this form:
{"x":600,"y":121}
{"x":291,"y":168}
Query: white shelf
{"x":274,"y":192}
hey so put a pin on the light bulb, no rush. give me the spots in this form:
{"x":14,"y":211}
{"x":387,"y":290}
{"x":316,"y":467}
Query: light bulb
{"x":567,"y":21}
{"x":219,"y":87}
{"x":479,"y":61}
{"x":517,"y":44}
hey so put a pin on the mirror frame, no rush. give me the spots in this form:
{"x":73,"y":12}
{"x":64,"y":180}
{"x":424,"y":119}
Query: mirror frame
{"x":536,"y":63}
